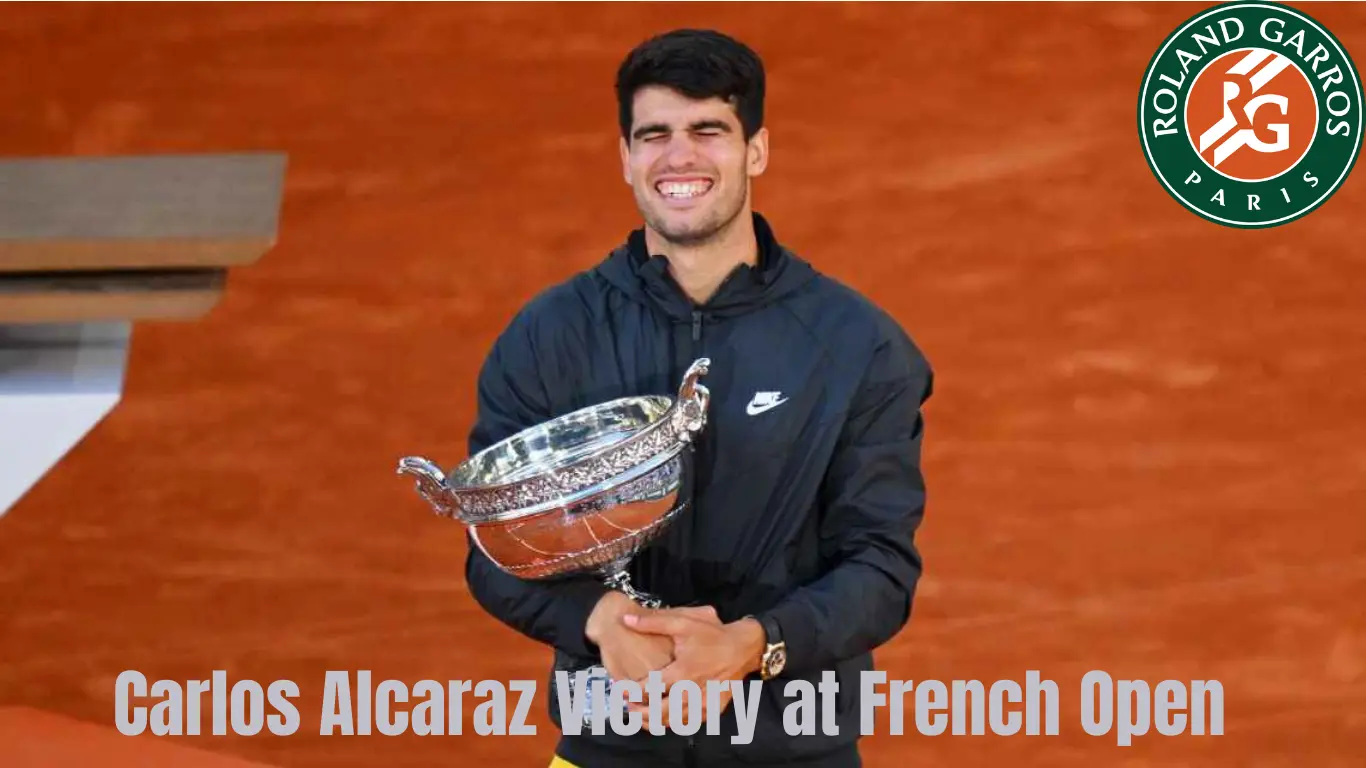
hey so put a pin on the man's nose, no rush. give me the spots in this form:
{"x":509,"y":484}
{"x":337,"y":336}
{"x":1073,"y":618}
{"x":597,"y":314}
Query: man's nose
{"x":681,"y":151}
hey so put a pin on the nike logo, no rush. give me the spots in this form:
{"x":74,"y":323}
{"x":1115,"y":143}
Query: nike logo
{"x":764,"y":401}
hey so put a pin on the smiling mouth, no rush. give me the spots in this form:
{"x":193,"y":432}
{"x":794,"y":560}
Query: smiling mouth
{"x":683,"y":190}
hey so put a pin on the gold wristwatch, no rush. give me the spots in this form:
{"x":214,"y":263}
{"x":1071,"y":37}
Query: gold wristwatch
{"x":774,"y":658}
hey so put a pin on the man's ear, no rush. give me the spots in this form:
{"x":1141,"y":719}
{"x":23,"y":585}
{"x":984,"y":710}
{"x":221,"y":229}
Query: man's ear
{"x":757,"y":153}
{"x":625,"y":150}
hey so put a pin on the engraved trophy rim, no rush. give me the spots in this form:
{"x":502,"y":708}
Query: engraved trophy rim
{"x":547,"y":483}
{"x":464,"y":469}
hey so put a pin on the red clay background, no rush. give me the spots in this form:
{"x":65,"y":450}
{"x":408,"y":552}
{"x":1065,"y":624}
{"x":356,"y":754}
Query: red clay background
{"x":1146,"y":453}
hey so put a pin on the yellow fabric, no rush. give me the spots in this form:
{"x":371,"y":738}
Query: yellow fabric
{"x":560,"y":762}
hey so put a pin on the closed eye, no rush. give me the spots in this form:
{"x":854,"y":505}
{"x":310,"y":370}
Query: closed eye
{"x":709,"y":128}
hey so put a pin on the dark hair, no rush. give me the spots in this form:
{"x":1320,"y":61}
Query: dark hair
{"x":700,"y":64}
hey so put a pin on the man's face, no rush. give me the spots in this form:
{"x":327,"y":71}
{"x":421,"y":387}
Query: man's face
{"x":689,"y":164}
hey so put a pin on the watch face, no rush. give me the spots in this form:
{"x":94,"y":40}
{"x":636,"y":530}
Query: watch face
{"x":776,"y":660}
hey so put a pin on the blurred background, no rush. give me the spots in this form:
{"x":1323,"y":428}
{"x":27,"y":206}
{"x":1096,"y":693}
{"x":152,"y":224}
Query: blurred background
{"x":1145,"y":453}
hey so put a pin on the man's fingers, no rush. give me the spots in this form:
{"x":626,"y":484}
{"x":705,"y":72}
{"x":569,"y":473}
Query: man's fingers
{"x":699,"y":612}
{"x":643,"y":707}
{"x":659,"y":623}
{"x":668,"y":675}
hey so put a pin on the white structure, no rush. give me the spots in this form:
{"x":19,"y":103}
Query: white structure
{"x":57,"y":381}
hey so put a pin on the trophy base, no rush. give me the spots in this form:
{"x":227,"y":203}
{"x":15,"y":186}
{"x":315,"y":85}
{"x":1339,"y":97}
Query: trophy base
{"x":595,"y":678}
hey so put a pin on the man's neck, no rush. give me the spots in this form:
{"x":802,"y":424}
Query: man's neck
{"x":701,"y":269}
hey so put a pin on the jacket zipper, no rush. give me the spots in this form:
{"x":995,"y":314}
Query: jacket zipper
{"x":690,"y":752}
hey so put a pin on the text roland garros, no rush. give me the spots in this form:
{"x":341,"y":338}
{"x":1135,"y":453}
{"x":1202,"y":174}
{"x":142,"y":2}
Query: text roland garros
{"x":1250,"y":114}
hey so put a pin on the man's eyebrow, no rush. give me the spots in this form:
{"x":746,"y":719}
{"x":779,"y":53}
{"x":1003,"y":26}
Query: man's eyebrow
{"x":649,"y":128}
{"x":698,"y":125}
{"x":712,"y":123}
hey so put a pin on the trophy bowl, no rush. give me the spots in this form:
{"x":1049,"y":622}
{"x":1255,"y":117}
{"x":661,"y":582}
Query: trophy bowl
{"x":581,"y":493}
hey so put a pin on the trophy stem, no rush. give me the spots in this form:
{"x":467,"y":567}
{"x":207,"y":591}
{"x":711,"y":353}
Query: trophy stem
{"x":619,"y":579}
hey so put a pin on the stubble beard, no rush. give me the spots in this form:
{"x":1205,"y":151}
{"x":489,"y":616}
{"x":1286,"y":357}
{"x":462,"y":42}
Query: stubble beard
{"x":700,"y":233}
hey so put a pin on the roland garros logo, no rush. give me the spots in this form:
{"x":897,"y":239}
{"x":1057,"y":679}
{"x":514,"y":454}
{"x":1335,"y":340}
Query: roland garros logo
{"x":1251,"y":114}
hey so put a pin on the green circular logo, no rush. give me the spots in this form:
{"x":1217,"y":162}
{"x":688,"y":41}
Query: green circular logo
{"x":1250,"y":114}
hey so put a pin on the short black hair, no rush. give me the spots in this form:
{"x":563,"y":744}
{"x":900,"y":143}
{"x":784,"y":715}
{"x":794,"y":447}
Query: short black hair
{"x":700,"y":64}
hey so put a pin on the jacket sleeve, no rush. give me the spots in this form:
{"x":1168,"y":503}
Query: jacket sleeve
{"x":511,"y":397}
{"x":873,"y":501}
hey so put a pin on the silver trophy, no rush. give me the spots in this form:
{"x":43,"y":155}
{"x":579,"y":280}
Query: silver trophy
{"x":581,"y":493}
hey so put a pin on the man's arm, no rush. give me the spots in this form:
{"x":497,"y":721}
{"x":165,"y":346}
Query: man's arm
{"x":511,"y":397}
{"x":874,"y":501}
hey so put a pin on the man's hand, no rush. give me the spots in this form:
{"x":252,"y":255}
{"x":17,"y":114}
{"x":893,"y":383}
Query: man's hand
{"x":704,"y":649}
{"x":627,"y":654}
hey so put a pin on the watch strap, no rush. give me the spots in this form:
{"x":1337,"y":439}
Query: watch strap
{"x":773,"y":633}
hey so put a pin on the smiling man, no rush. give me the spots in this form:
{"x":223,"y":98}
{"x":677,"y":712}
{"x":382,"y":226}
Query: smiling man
{"x":798,"y":556}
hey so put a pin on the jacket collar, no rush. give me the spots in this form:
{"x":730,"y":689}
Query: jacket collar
{"x":747,"y":287}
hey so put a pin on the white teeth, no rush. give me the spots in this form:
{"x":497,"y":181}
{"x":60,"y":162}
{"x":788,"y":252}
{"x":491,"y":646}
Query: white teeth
{"x":684,"y":190}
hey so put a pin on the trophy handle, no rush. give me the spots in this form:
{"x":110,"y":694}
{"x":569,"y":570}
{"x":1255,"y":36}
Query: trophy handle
{"x":431,"y":485}
{"x":693,"y":398}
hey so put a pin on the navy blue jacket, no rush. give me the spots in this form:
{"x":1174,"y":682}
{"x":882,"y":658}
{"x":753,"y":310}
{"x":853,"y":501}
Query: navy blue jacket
{"x":806,"y":512}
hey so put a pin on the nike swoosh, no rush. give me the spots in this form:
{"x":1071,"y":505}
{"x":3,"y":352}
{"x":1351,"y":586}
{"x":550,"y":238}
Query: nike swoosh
{"x":755,"y":410}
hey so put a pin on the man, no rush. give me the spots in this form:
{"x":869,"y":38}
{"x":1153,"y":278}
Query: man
{"x":798,"y":556}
